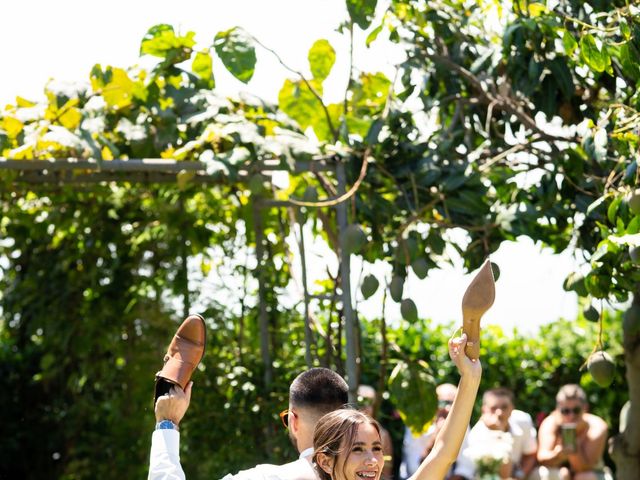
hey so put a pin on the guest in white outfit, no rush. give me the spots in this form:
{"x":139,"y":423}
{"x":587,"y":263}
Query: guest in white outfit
{"x":416,"y":448}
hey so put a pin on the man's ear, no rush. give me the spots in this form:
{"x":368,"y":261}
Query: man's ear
{"x":325,"y":462}
{"x":294,"y":426}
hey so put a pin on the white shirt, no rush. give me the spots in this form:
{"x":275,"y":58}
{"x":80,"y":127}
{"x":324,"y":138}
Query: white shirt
{"x":413,"y":449}
{"x":164,"y":463}
{"x":521,"y":433}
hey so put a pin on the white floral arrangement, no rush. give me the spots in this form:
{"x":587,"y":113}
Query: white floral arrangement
{"x":488,"y":455}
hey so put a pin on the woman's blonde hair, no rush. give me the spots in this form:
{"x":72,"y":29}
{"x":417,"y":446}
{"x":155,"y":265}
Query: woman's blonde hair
{"x":335,"y":434}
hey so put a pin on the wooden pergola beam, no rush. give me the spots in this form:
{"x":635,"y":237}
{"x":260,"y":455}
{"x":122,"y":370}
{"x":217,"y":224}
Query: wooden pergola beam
{"x":133,"y":165}
{"x":146,"y":170}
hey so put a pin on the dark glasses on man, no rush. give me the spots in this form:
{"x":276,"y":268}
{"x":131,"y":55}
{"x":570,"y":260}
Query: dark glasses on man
{"x":284,"y":416}
{"x":574,"y":410}
{"x":444,"y":403}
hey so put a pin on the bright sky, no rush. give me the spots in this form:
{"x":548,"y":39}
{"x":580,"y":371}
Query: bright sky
{"x":40,"y":39}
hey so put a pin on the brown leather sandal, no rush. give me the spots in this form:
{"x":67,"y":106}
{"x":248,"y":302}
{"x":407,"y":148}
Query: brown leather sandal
{"x":183,"y":355}
{"x":477,"y":299}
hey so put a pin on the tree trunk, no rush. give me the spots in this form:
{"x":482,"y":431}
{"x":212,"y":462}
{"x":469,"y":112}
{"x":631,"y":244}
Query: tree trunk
{"x":263,"y":318}
{"x":308,"y":336}
{"x":345,"y":276}
{"x":263,"y":315}
{"x":625,"y":448}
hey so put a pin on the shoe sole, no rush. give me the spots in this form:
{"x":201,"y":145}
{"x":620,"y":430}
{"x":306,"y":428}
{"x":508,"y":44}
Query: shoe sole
{"x":477,"y":299}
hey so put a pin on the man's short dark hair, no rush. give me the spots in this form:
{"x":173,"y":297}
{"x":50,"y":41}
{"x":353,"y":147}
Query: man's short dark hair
{"x":319,"y":389}
{"x":499,"y":392}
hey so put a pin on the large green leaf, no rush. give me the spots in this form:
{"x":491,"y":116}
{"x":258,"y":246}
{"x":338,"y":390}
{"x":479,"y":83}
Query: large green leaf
{"x":373,"y":35}
{"x":361,"y":12}
{"x":412,"y":391}
{"x":591,"y":54}
{"x":371,"y":92}
{"x":235,"y":49}
{"x":157,"y":40}
{"x":358,"y":125}
{"x":161,"y":41}
{"x":322,"y":56}
{"x":203,"y":67}
{"x":569,"y":43}
{"x":114,"y":84}
{"x":297,"y":101}
{"x":629,"y":61}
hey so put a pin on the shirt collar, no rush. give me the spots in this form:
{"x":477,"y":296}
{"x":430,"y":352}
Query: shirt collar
{"x":306,"y":453}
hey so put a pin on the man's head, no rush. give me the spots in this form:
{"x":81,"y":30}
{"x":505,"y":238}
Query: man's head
{"x":366,"y":398}
{"x":571,"y":403}
{"x":446,"y":393}
{"x":312,"y":394}
{"x":497,"y":405}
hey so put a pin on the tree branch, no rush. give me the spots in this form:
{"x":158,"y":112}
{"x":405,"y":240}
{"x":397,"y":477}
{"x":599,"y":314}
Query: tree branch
{"x":334,"y":132}
{"x":506,"y":104}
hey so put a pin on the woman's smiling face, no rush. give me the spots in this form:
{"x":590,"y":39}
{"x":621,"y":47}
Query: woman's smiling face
{"x":365,"y":458}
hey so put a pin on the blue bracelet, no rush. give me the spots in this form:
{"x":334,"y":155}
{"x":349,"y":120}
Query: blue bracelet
{"x":166,"y":425}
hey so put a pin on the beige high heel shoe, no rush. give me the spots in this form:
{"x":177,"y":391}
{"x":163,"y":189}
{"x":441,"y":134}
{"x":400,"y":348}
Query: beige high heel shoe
{"x":477,"y":299}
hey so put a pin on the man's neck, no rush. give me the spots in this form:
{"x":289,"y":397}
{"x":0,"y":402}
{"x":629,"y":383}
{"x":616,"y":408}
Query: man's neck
{"x":304,"y":443}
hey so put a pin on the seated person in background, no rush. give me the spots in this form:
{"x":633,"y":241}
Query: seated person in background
{"x":503,"y":434}
{"x":445,"y":392}
{"x":571,"y":440}
{"x":412,"y":451}
{"x":366,"y":399}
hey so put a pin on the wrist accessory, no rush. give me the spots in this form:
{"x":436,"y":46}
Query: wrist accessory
{"x":166,"y":425}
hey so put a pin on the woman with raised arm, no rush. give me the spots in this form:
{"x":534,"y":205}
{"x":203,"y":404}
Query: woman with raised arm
{"x":347,"y":444}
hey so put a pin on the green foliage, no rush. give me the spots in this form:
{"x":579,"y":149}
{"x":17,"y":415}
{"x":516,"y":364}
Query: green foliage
{"x":361,"y":12}
{"x":203,"y":67}
{"x":161,"y":41}
{"x":322,"y":57}
{"x":536,"y":132}
{"x":85,"y":306}
{"x":407,"y":382}
{"x":235,"y":49}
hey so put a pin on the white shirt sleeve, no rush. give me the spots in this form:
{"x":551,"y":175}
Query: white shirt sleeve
{"x":164,"y":463}
{"x":530,"y":437}
{"x":164,"y":460}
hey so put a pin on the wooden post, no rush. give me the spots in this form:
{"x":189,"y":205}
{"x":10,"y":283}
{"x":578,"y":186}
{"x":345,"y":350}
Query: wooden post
{"x":308,"y":338}
{"x":263,"y":317}
{"x":345,"y":276}
{"x":183,"y":274}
